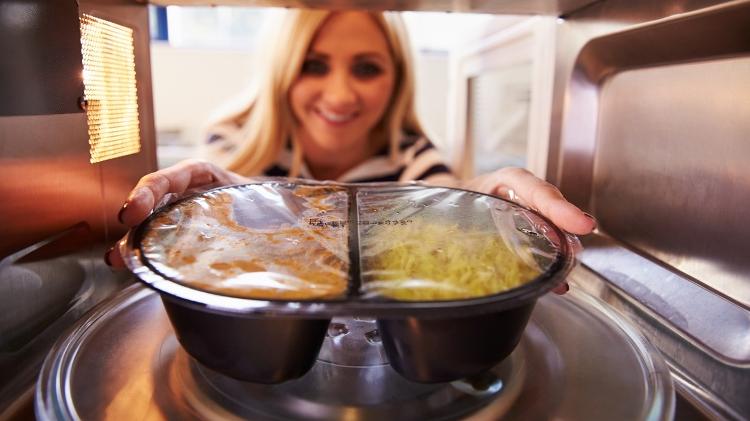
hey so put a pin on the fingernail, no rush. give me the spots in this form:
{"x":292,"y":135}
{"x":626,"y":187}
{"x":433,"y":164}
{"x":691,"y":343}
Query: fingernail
{"x":590,"y":216}
{"x":561,"y":289}
{"x":106,"y":255}
{"x":122,"y":210}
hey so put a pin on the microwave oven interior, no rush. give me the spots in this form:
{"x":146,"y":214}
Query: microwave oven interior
{"x":648,"y":132}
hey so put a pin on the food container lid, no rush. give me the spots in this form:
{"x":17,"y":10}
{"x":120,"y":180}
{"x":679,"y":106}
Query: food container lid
{"x":294,"y":247}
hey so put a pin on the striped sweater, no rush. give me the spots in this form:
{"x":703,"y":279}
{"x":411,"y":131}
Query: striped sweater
{"x":418,"y":160}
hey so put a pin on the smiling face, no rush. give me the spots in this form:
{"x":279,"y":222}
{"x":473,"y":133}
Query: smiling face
{"x":343,"y":88}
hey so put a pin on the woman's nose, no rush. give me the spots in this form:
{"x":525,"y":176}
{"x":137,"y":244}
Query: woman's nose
{"x":339,"y":90}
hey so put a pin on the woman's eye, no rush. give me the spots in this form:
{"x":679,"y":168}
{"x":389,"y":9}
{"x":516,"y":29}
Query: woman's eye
{"x":314,"y":67}
{"x":366,"y":70}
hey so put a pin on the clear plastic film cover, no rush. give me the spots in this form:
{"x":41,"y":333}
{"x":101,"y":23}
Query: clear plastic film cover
{"x":446,"y":244}
{"x":254,"y":241}
{"x":363,"y":244}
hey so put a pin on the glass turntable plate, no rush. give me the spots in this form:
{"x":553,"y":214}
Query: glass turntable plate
{"x":576,"y":360}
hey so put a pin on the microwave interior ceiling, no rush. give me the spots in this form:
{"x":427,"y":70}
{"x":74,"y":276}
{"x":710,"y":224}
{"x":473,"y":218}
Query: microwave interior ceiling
{"x":521,"y":7}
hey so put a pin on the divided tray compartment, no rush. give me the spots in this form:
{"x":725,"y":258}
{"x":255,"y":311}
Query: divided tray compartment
{"x":331,"y":233}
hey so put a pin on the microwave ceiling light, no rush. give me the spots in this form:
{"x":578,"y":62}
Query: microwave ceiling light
{"x":110,"y":90}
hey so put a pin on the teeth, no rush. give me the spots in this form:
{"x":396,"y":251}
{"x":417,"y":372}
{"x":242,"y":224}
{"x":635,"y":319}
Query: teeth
{"x":335,"y":117}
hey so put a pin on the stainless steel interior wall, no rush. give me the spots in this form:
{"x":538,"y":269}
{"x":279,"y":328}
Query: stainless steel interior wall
{"x":651,"y":116}
{"x":41,"y":58}
{"x":653,"y":138}
{"x":48,"y":183}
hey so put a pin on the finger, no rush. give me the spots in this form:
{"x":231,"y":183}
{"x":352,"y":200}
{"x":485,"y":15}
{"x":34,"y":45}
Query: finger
{"x":562,"y":213}
{"x":113,"y":257}
{"x":547,"y":199}
{"x":176,"y":179}
{"x":137,"y":207}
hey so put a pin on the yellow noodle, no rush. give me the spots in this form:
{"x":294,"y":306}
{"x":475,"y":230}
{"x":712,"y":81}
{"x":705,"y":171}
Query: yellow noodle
{"x":430,"y":261}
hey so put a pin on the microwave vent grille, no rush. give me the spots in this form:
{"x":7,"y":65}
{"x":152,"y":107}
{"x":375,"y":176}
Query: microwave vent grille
{"x":109,"y":88}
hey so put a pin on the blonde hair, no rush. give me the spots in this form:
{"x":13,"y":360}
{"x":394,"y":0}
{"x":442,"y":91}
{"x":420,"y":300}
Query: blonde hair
{"x":268,"y":122}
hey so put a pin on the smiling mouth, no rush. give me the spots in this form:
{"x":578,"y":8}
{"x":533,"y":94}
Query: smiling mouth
{"x":336,"y":118}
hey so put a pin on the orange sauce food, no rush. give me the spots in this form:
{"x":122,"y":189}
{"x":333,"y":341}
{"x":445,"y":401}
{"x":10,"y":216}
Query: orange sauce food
{"x":200,"y":243}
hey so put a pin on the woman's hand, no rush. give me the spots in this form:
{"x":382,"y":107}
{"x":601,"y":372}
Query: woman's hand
{"x":523,"y":187}
{"x":152,"y":188}
{"x":526,"y":189}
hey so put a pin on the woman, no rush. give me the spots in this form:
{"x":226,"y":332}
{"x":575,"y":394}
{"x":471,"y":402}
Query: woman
{"x":337,"y":104}
{"x":341,"y":93}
